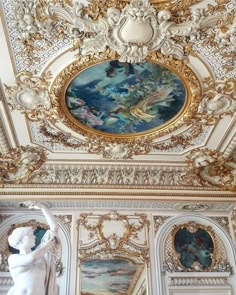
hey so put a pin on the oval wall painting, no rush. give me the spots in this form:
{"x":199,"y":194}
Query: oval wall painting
{"x":123,"y":98}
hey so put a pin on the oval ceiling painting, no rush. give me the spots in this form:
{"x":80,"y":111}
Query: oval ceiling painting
{"x":122,"y":98}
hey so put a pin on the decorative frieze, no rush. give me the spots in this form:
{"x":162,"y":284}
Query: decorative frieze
{"x":200,"y":281}
{"x":108,"y":175}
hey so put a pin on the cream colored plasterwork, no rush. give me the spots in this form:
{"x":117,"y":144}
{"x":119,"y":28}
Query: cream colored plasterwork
{"x":4,"y":143}
{"x":224,"y":222}
{"x":18,"y":165}
{"x":219,"y":99}
{"x":113,"y":235}
{"x":116,"y":175}
{"x":35,"y":36}
{"x":210,"y":167}
{"x":30,"y":94}
{"x":136,"y":31}
{"x":217,"y":45}
{"x":66,"y":220}
{"x":39,"y":34}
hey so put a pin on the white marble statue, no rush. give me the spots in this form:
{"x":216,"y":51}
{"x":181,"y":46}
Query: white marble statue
{"x":34,"y":272}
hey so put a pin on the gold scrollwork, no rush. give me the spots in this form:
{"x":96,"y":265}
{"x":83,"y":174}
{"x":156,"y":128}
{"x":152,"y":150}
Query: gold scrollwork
{"x":114,"y":244}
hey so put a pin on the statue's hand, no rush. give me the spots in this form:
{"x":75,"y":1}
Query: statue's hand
{"x":33,"y":205}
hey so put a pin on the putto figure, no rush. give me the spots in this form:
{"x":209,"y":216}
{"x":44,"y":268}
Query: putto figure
{"x":34,"y":272}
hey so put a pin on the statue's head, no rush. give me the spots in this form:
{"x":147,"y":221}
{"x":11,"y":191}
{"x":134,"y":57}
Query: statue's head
{"x":19,"y":235}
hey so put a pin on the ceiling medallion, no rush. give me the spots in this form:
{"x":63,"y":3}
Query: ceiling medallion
{"x":100,"y":96}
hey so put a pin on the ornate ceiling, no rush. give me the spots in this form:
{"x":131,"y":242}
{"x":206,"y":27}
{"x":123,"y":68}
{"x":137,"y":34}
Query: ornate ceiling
{"x":174,"y":145}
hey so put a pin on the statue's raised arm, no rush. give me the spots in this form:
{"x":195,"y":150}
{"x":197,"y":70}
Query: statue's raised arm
{"x":34,"y":272}
{"x":47,"y":214}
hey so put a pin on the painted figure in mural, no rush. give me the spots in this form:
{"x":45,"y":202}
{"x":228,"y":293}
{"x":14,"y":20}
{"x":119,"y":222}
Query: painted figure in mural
{"x":34,"y":272}
{"x":123,"y":98}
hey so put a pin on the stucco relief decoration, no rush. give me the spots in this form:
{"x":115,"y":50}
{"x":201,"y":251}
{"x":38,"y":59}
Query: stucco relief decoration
{"x":18,"y":165}
{"x":121,"y":238}
{"x":114,"y":249}
{"x":219,"y":99}
{"x":211,"y":168}
{"x":30,"y":94}
{"x":37,"y":30}
{"x":226,"y":31}
{"x":135,"y":31}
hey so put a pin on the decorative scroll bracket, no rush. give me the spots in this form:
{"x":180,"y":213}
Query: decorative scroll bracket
{"x":136,"y":31}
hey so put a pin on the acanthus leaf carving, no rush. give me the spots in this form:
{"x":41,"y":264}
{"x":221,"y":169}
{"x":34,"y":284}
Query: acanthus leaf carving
{"x":107,"y":176}
{"x":20,"y":163}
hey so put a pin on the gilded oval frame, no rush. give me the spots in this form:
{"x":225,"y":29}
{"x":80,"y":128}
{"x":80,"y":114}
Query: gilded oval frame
{"x":193,"y":227}
{"x":179,"y":68}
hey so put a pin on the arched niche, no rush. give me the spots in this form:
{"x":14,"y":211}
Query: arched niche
{"x":11,"y":221}
{"x":174,"y":279}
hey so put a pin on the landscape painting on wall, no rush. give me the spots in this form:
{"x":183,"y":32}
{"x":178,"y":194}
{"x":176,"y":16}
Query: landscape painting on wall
{"x":123,"y":98}
{"x":107,"y":277}
{"x":194,"y":247}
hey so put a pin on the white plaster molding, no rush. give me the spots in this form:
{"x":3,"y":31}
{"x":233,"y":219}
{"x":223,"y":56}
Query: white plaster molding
{"x":30,"y":92}
{"x":198,"y":279}
{"x":137,"y":205}
{"x":136,"y":31}
{"x":164,"y":231}
{"x":4,"y":144}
